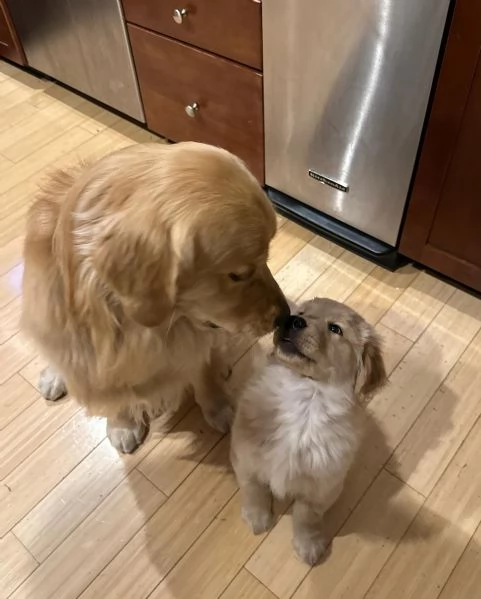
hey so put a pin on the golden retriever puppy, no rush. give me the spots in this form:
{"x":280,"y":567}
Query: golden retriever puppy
{"x":298,"y":423}
{"x":134,"y":267}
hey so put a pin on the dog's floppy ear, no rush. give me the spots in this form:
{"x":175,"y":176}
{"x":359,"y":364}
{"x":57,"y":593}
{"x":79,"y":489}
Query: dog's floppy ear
{"x":141,"y":270}
{"x":373,"y":371}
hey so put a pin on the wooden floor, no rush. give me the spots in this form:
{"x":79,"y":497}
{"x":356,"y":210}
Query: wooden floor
{"x":77,"y":520}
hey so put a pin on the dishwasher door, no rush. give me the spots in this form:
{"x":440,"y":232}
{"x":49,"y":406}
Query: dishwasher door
{"x":346,"y":86}
{"x":84,"y":44}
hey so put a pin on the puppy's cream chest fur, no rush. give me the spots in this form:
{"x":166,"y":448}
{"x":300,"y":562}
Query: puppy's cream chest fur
{"x":297,"y":434}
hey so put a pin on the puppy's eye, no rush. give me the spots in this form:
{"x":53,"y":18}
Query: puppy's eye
{"x":334,"y":328}
{"x":235,"y":277}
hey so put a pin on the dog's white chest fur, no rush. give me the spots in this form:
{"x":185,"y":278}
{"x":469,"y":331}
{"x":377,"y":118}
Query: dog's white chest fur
{"x":303,"y":434}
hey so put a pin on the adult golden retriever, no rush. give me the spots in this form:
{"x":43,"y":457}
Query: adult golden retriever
{"x":134,"y":266}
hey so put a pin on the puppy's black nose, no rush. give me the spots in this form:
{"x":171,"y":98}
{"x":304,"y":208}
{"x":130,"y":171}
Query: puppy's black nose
{"x":296,"y":323}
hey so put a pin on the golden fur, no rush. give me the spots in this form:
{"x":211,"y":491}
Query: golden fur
{"x":298,"y":423}
{"x":130,"y":262}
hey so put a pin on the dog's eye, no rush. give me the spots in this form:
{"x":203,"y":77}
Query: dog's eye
{"x":240,"y":276}
{"x":334,"y":328}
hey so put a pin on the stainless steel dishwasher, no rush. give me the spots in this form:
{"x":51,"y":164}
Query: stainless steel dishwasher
{"x":82,"y":43}
{"x":346,"y":89}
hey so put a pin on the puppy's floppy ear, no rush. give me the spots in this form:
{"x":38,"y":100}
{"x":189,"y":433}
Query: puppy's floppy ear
{"x":142,"y":270}
{"x":373,"y":371}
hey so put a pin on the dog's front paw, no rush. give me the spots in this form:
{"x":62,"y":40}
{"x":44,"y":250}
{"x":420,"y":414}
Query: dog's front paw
{"x":257,"y":519}
{"x":310,"y":549}
{"x":127,"y":440}
{"x":220,"y":419}
{"x":51,"y":385}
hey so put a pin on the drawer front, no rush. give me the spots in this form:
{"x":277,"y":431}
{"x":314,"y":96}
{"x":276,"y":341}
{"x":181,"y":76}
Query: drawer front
{"x":230,"y":28}
{"x":10,"y":46}
{"x":228,"y":96}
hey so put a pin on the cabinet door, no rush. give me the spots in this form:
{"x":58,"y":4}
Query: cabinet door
{"x":443,"y":222}
{"x":174,"y":78}
{"x":10,"y":46}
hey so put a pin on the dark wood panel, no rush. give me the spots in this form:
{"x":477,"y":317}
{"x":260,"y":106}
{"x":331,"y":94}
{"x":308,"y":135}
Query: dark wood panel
{"x":173,"y":76}
{"x":230,"y":28}
{"x":10,"y":46}
{"x":457,"y":226}
{"x":443,"y":221}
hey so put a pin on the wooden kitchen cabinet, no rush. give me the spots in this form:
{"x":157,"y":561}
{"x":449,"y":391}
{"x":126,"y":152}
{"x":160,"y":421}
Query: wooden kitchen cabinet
{"x":443,"y":221}
{"x":10,"y":46}
{"x":226,"y":98}
{"x":229,"y":28}
{"x":199,"y":72}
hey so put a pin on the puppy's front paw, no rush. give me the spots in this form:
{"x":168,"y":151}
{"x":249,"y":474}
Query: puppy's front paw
{"x":51,"y":385}
{"x":257,"y":519}
{"x":127,"y":440}
{"x":220,"y":419}
{"x":309,"y":549}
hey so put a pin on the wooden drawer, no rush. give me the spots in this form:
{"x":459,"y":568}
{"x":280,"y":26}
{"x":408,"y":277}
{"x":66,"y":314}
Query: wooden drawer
{"x":230,"y":28}
{"x":10,"y":46}
{"x":173,"y":76}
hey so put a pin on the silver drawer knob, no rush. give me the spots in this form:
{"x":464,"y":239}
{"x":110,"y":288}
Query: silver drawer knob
{"x":179,"y":15}
{"x":192,"y":109}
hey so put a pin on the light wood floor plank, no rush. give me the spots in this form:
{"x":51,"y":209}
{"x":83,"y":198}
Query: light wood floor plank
{"x":417,"y":306}
{"x":245,"y":586}
{"x":14,"y":204}
{"x":56,"y":95}
{"x":21,"y":79}
{"x":26,"y":433}
{"x":214,"y":559}
{"x":41,"y":129}
{"x":14,"y":113}
{"x":395,"y":347}
{"x":13,"y":224}
{"x":443,"y":425}
{"x":16,"y":564}
{"x":5,"y":164}
{"x":439,"y":533}
{"x":306,"y":266}
{"x":15,"y":98}
{"x":47,"y":466}
{"x":289,"y":240}
{"x":11,"y":285}
{"x":31,"y":372}
{"x":365,"y":542}
{"x":379,"y":290}
{"x":51,"y":521}
{"x":10,"y":319}
{"x":157,"y":547}
{"x":49,"y":154}
{"x":339,"y":280}
{"x":15,"y":396}
{"x":15,"y":353}
{"x":426,"y":365}
{"x":73,"y":565}
{"x":275,"y":564}
{"x":178,"y":454}
{"x":465,"y":581}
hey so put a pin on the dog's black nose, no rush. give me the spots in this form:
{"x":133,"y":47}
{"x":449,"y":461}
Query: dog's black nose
{"x":282,"y":318}
{"x":296,"y":323}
